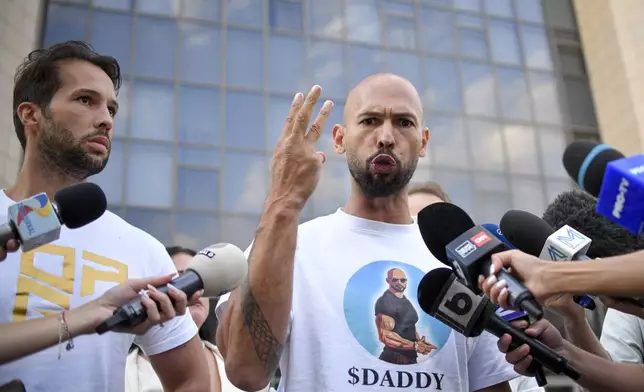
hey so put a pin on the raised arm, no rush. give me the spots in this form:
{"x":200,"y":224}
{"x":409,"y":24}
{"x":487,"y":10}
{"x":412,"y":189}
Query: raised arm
{"x":254,"y":325}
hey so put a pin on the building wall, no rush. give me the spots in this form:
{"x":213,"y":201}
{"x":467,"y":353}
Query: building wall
{"x":20,"y":23}
{"x":612,"y":36}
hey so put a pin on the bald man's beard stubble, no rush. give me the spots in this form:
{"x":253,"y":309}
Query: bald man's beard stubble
{"x":62,"y":153}
{"x":374,"y":185}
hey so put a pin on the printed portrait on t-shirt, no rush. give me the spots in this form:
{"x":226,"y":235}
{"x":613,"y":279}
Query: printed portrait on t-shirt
{"x":383,"y":314}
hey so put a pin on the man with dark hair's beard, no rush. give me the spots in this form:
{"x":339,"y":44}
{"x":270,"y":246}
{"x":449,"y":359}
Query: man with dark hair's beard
{"x":312,"y":292}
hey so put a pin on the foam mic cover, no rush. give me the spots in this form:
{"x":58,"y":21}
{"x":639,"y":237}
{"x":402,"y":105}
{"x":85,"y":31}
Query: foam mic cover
{"x":441,"y":223}
{"x":586,"y":161}
{"x":80,"y":204}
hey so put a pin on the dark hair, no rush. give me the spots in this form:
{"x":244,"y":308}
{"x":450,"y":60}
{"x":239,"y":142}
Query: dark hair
{"x":430,"y":188}
{"x":175,"y":250}
{"x":37,"y":79}
{"x":577,"y":210}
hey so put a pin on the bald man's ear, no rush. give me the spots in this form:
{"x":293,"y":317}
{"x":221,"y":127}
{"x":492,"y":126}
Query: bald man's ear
{"x":338,"y":139}
{"x":424,"y":139}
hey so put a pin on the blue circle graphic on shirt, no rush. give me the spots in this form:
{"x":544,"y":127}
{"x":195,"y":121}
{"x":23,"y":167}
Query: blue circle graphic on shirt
{"x":377,"y":313}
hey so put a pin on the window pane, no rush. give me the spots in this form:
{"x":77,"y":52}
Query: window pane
{"x":486,"y":145}
{"x":149,"y":175}
{"x":363,"y":62}
{"x":458,"y":186}
{"x":245,"y":120}
{"x":327,"y":61}
{"x":199,"y":110}
{"x":246,"y":182}
{"x":491,"y":206}
{"x":535,"y":47}
{"x":112,"y":34}
{"x":200,"y":53}
{"x":364,"y":20}
{"x":244,"y":58}
{"x":156,"y":40}
{"x":479,"y":89}
{"x":197,"y":189}
{"x":153,"y":111}
{"x":499,"y":7}
{"x":124,"y":5}
{"x":422,"y":175}
{"x":469,"y":20}
{"x":202,"y":9}
{"x":199,"y":156}
{"x":440,"y":3}
{"x":160,"y":7}
{"x":245,"y":12}
{"x":64,"y":24}
{"x":545,"y":97}
{"x":111,"y":178}
{"x":286,"y":68}
{"x":401,"y":32}
{"x":505,"y":42}
{"x":285,"y":15}
{"x":396,"y":8}
{"x":195,"y":230}
{"x":580,"y":102}
{"x":571,"y":60}
{"x":333,"y":190}
{"x":530,"y":10}
{"x":239,"y":230}
{"x":122,"y":118}
{"x":437,"y":31}
{"x":515,"y":100}
{"x":553,"y":144}
{"x":527,"y":195}
{"x":406,"y":65}
{"x":556,"y":187}
{"x":468,"y":5}
{"x":155,"y":223}
{"x":443,"y":92}
{"x":325,"y":18}
{"x":522,"y":149}
{"x":448,"y":142}
{"x":473,"y":43}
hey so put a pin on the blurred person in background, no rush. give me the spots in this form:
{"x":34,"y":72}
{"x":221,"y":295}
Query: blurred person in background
{"x":64,"y":104}
{"x":139,"y":374}
{"x":420,"y":196}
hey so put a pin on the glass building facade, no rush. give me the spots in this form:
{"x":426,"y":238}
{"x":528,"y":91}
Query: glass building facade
{"x":207,"y":84}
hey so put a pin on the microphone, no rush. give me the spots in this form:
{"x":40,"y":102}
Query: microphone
{"x":505,"y":314}
{"x":534,"y":236}
{"x":450,"y":235}
{"x":614,"y":179}
{"x":217,"y":270}
{"x":36,"y":221}
{"x":441,"y":296}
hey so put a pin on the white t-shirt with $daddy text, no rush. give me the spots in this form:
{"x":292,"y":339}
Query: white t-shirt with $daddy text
{"x":77,"y":268}
{"x":346,"y":276}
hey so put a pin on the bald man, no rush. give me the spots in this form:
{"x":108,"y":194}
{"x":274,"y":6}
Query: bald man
{"x":313,"y":291}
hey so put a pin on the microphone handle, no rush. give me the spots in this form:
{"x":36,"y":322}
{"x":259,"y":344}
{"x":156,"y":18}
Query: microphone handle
{"x":538,"y":350}
{"x":6,"y":233}
{"x":520,"y":297}
{"x":134,"y":313}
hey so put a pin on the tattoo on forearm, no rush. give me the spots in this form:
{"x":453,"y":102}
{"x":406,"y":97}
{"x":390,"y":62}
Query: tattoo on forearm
{"x":267,"y":347}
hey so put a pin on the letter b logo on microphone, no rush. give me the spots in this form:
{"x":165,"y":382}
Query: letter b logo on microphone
{"x":460,"y":304}
{"x":457,"y":306}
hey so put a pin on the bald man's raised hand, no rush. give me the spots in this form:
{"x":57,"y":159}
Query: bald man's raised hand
{"x":295,"y":170}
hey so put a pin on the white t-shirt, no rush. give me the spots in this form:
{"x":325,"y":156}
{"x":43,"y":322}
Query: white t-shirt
{"x":623,"y":336}
{"x":75,"y":269}
{"x":340,"y":294}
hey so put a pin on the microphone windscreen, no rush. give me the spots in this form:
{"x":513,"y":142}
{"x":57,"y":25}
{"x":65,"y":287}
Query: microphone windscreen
{"x":80,"y":204}
{"x":221,"y":267}
{"x":525,"y":231}
{"x":586,"y":161}
{"x":430,"y":287}
{"x":440,"y":224}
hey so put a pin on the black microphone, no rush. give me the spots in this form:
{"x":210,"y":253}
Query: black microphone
{"x":451,"y":236}
{"x":443,"y":297}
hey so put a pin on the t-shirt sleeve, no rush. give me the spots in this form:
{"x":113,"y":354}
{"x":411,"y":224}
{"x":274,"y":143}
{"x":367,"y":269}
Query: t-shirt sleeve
{"x":525,"y":384}
{"x":176,"y":331}
{"x":622,"y":337}
{"x":486,"y":365}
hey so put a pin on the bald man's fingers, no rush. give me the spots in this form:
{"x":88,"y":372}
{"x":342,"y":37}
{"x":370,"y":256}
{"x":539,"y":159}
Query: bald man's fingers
{"x":304,"y":115}
{"x":318,"y":125}
{"x":292,"y":112}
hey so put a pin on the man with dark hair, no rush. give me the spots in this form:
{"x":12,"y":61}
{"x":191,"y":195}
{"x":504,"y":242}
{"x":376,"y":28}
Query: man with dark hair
{"x":422,"y":195}
{"x":64,"y":107}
